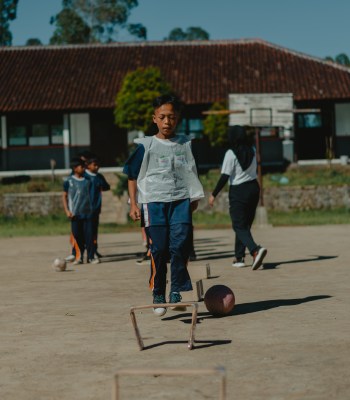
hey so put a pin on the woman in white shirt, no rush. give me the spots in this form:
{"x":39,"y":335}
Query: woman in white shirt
{"x":239,"y":168}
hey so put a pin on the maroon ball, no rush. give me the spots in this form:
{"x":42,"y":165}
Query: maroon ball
{"x":219,"y":300}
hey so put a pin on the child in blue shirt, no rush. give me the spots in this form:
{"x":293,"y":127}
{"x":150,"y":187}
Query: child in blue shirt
{"x":98,"y":185}
{"x":77,"y":206}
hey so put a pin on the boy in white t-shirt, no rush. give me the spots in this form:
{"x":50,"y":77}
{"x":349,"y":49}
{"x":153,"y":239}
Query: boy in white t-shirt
{"x":162,"y":177}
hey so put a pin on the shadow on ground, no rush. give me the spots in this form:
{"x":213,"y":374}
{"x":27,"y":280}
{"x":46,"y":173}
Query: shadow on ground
{"x":302,"y":260}
{"x":248,"y":308}
{"x":199,"y":344}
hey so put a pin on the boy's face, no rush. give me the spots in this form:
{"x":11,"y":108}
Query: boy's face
{"x":93,"y":167}
{"x":166,"y":119}
{"x":79,"y":170}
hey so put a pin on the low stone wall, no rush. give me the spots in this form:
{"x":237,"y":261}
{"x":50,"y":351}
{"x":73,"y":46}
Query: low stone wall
{"x":306,"y":197}
{"x":48,"y":203}
{"x":115,"y":209}
{"x":31,"y":204}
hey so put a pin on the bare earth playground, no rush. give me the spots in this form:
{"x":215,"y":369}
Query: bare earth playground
{"x":65,"y":334}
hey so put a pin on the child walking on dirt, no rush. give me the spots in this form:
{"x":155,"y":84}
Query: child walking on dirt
{"x":240,"y":167}
{"x":77,"y":206}
{"x":162,"y":178}
{"x":97,"y":186}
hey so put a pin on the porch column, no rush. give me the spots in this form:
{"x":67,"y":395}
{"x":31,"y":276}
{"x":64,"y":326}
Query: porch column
{"x":66,"y":140}
{"x":4,"y":142}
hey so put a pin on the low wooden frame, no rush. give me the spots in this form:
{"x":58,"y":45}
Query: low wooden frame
{"x":219,"y":372}
{"x":165,"y":305}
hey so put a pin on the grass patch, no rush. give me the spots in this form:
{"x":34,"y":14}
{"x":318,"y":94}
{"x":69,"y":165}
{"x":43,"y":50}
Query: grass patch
{"x":50,"y":226}
{"x":210,"y":179}
{"x":59,"y":225}
{"x":313,"y":175}
{"x":309,"y":217}
{"x":203,"y":220}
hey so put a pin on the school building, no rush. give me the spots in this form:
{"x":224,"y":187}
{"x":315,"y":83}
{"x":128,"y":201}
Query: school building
{"x":58,"y":100}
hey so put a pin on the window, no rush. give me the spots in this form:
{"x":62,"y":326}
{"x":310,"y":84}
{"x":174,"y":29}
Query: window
{"x":311,"y":120}
{"x":17,"y":135}
{"x":57,"y":134}
{"x":40,"y":135}
{"x":44,"y":129}
{"x":195,"y":126}
{"x":182,"y":127}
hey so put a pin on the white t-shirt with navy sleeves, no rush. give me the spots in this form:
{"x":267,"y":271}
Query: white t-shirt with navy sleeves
{"x":231,"y":167}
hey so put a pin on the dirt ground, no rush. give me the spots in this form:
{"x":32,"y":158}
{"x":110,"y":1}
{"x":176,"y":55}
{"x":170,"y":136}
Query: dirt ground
{"x":65,"y":334}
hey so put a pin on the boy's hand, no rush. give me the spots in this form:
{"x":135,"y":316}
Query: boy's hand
{"x":69,"y":215}
{"x":211,"y":200}
{"x":194,"y":205}
{"x":135,"y":213}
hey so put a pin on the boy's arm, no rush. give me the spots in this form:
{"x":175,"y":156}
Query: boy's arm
{"x":65,"y":205}
{"x":134,"y":213}
{"x":104,"y":184}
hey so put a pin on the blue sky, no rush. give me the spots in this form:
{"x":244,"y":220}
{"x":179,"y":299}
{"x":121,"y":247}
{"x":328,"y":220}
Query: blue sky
{"x":315,"y":27}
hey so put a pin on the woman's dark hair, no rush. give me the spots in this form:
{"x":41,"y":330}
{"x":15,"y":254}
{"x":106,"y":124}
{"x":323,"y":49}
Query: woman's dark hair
{"x":237,"y":136}
{"x":168,"y":99}
{"x":240,"y":144}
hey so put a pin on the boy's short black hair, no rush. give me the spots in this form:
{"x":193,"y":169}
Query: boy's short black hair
{"x":86,"y":154}
{"x":75,"y":162}
{"x":92,"y":159}
{"x":168,"y":99}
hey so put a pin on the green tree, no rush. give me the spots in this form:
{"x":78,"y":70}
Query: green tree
{"x":33,"y":42}
{"x":191,"y":33}
{"x":216,"y":124}
{"x":137,"y":30}
{"x":139,"y":88}
{"x":8,"y":12}
{"x":341,"y":59}
{"x":94,"y":21}
{"x":70,"y":28}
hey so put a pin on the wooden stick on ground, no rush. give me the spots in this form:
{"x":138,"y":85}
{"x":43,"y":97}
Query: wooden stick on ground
{"x":165,"y":305}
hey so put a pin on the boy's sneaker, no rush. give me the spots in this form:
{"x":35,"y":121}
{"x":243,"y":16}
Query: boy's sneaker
{"x":175,"y":297}
{"x":144,"y":260}
{"x":159,"y":299}
{"x":70,"y":258}
{"x":77,"y":262}
{"x":258,"y":257}
{"x":238,"y":262}
{"x":99,"y":255}
{"x":95,"y":260}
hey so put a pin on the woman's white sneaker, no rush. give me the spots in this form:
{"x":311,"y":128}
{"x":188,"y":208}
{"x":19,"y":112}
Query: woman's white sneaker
{"x":238,"y":263}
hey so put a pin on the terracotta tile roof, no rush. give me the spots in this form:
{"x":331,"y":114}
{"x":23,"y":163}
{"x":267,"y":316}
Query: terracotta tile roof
{"x":89,"y":76}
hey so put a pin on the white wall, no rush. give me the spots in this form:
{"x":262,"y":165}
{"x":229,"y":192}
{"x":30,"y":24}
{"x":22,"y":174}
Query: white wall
{"x":342,"y":119}
{"x":80,"y":129}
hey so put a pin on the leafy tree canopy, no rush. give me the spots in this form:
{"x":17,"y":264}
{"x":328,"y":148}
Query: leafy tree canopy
{"x":70,"y":28}
{"x":191,"y":33}
{"x":139,"y":88}
{"x":8,"y":12}
{"x":341,"y":59}
{"x":84,"y":21}
{"x":33,"y":42}
{"x":215,"y":125}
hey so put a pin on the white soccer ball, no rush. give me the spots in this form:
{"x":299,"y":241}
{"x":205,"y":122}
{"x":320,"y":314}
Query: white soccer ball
{"x":59,"y":264}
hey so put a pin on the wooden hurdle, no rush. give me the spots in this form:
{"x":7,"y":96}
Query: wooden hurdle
{"x":217,"y":372}
{"x":165,"y":305}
